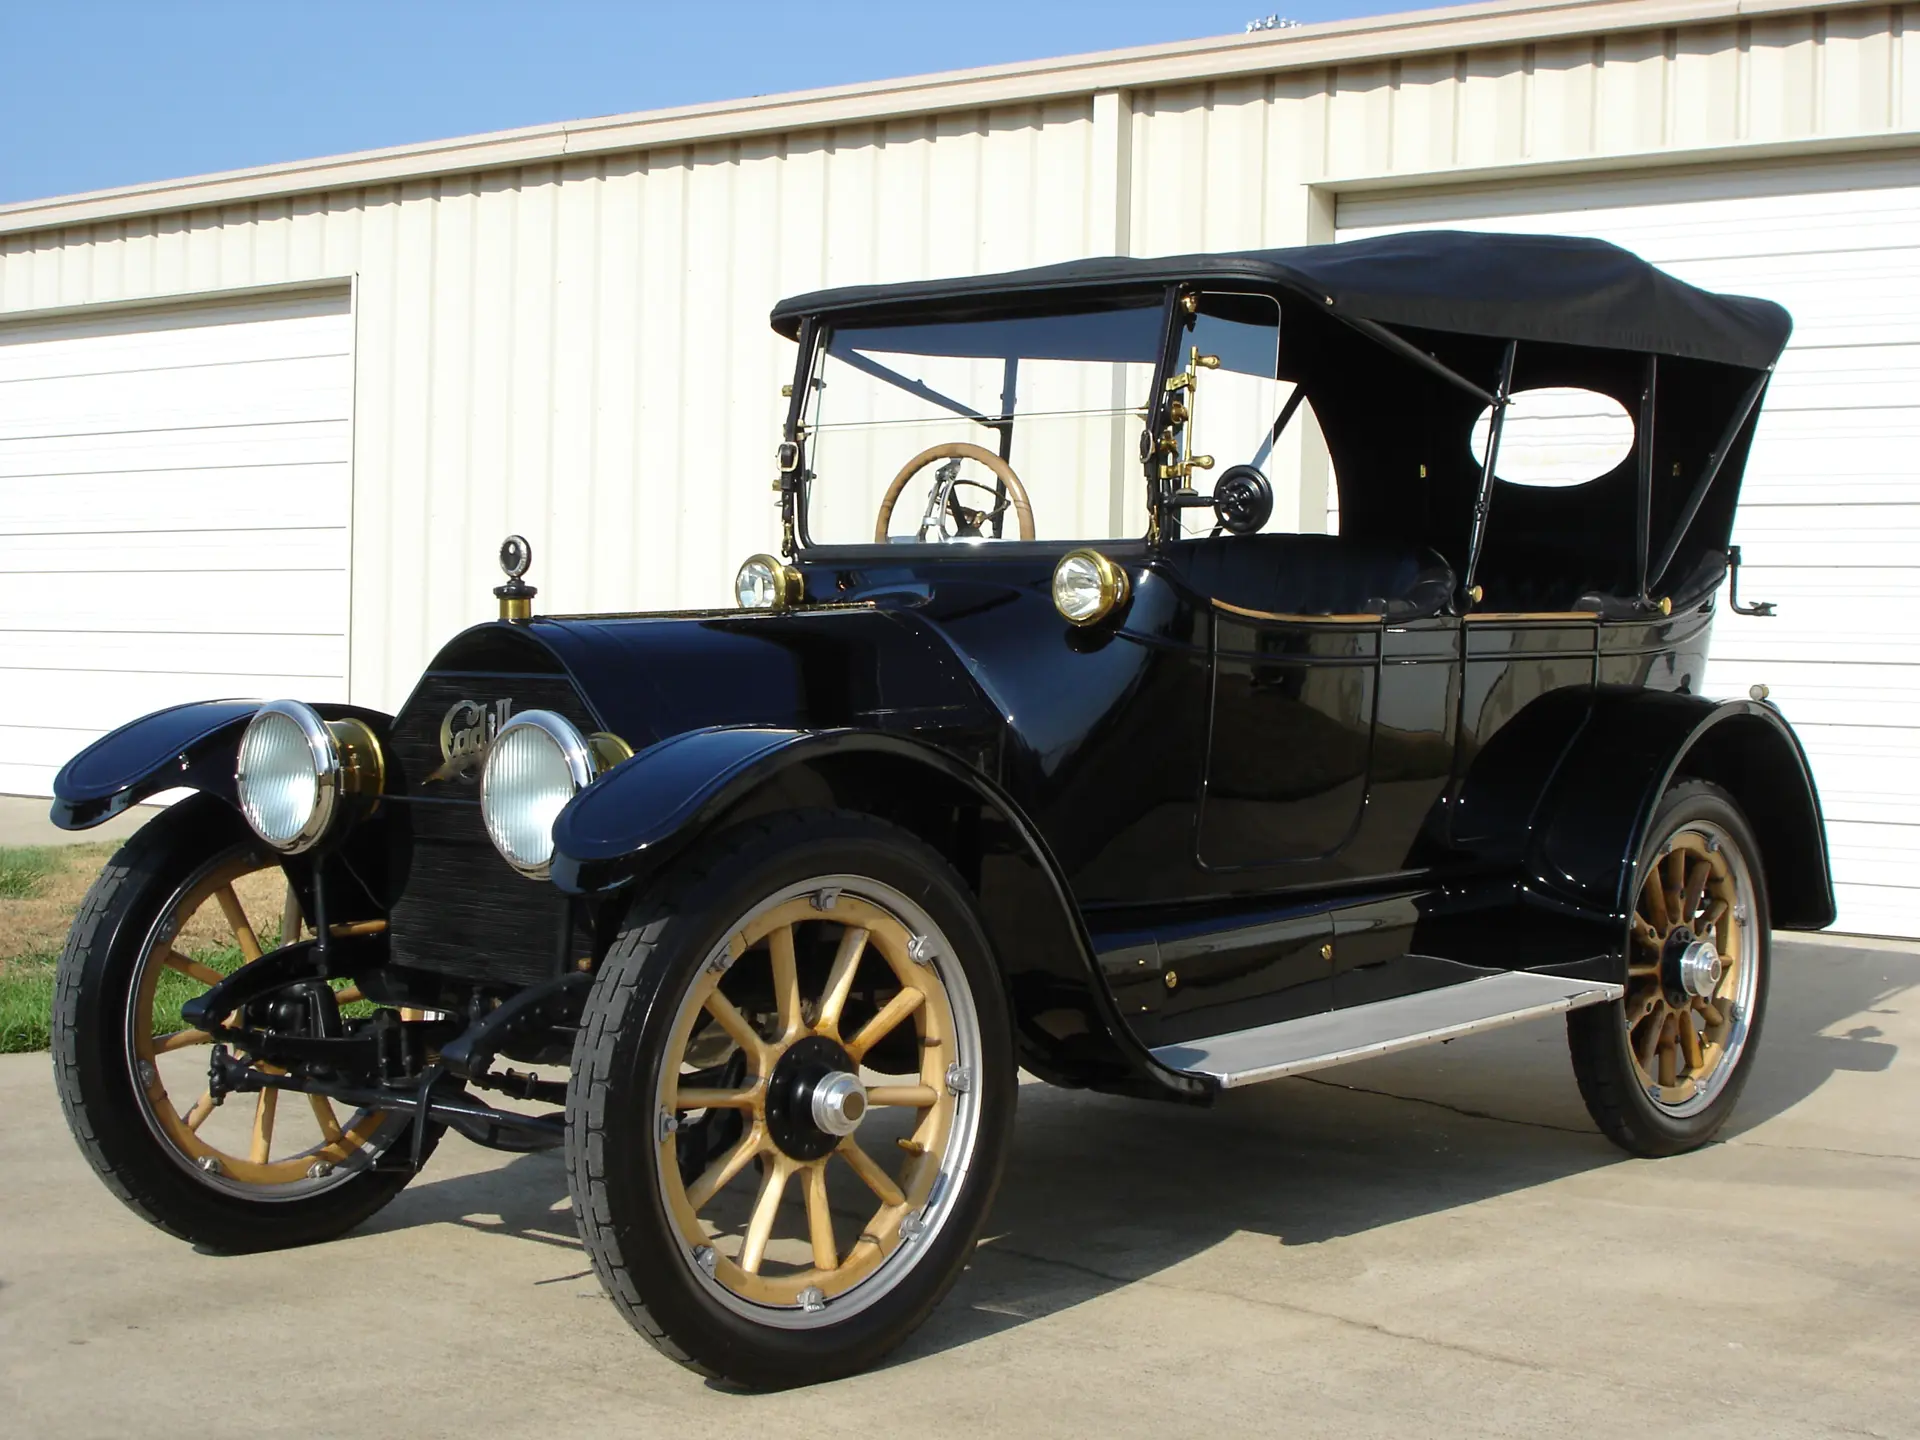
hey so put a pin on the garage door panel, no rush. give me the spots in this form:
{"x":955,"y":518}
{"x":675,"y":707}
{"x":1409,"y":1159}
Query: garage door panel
{"x":92,"y":702}
{"x":243,"y":497}
{"x":1830,"y":514}
{"x":266,"y":392}
{"x":172,"y":552}
{"x":174,"y":497}
{"x":168,"y":451}
{"x":27,"y":354}
{"x":53,"y":653}
{"x":198,"y":602}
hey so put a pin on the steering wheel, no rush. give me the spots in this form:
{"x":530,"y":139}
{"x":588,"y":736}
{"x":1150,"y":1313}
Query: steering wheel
{"x":941,"y":503}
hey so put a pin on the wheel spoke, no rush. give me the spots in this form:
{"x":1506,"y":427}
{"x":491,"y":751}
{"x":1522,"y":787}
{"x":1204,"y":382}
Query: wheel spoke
{"x":1653,"y":899}
{"x":180,"y":1040}
{"x":786,"y":981}
{"x":237,"y":922}
{"x":826,"y":1251}
{"x":877,"y":1180}
{"x":290,"y":917}
{"x":1669,"y":1053}
{"x":1650,"y":1046}
{"x":197,"y":1116}
{"x":1698,"y":874}
{"x":846,"y":962}
{"x":721,"y":1172}
{"x":1676,"y":880}
{"x":1711,"y":1012}
{"x":760,"y":1228}
{"x":735,"y":1024}
{"x":1690,"y":1038}
{"x":881,"y":1026}
{"x":329,"y":1122}
{"x":693,"y":1099}
{"x":913,"y":1097}
{"x":192,"y":969}
{"x":263,"y":1125}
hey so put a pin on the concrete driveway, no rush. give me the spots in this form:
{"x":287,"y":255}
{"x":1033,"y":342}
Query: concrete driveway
{"x":1328,"y":1256}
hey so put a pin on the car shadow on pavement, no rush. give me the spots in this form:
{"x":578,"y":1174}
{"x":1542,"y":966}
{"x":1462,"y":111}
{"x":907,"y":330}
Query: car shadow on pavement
{"x":1101,"y":1193}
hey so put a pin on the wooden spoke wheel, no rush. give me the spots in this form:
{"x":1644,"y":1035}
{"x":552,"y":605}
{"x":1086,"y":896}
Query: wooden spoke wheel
{"x":792,"y":1094}
{"x":1693,"y":970}
{"x":1661,"y":1068}
{"x":188,"y":899}
{"x":763,"y":1221}
{"x":269,"y":1144}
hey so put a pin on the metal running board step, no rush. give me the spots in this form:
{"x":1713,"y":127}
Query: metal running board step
{"x":1315,"y":1042}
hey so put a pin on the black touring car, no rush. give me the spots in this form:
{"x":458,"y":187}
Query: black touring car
{"x":1175,"y":674}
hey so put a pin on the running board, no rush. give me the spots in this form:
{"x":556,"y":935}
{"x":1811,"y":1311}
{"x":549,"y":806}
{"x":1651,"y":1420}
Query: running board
{"x":1315,"y":1042}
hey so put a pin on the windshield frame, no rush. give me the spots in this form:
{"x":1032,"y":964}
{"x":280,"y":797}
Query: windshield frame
{"x":813,"y":343}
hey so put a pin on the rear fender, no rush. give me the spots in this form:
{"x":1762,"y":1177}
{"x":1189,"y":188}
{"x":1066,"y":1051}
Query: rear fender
{"x":1592,"y":821}
{"x":630,"y":823}
{"x":190,"y":747}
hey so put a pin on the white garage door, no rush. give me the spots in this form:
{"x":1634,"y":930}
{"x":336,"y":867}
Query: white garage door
{"x":1829,"y":521}
{"x":174,"y":493}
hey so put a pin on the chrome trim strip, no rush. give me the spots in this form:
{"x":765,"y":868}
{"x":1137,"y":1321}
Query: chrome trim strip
{"x":1316,"y":1042}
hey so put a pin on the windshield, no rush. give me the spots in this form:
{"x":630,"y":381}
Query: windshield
{"x":982,"y":430}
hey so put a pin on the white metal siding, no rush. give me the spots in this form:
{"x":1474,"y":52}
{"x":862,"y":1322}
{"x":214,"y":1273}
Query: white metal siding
{"x":1829,"y":520}
{"x":580,"y":351}
{"x":174,"y":492}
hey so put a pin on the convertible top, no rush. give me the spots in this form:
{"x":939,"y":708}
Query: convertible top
{"x":1554,"y":289}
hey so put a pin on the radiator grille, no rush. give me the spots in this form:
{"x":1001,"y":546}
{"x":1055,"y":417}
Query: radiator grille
{"x":461,"y":909}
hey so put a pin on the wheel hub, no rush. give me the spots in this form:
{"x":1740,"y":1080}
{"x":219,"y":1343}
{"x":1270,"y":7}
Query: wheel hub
{"x":1689,"y":967}
{"x":814,"y":1097}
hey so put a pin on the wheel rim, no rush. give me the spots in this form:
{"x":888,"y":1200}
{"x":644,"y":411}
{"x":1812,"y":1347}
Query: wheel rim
{"x":849,"y":965}
{"x":255,"y":1153}
{"x":1687,"y":1026}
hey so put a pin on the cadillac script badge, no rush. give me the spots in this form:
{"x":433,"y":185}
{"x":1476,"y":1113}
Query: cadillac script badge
{"x":466,"y":733}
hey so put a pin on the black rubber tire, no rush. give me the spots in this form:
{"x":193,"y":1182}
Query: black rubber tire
{"x":1597,"y":1034}
{"x":611,"y":1157}
{"x":93,"y":1067}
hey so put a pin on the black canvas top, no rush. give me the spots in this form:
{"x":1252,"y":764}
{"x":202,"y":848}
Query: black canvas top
{"x":1551,"y":288}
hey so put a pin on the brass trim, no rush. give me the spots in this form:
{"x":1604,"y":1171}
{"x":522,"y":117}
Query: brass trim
{"x":1584,"y":615}
{"x":1367,"y":618}
{"x":363,"y":764}
{"x":608,"y":750}
{"x":1115,"y":587}
{"x":789,"y":586}
{"x":517,"y":609}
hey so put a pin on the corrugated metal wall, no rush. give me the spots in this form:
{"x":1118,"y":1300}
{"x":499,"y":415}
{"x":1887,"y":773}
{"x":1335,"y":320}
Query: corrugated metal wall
{"x":580,"y":350}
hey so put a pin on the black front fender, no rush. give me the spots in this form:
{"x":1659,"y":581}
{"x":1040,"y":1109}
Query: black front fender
{"x":190,"y":747}
{"x":622,"y":830}
{"x":1592,"y":821}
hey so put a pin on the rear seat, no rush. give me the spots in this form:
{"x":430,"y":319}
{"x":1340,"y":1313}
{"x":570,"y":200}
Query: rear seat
{"x":1315,"y":575}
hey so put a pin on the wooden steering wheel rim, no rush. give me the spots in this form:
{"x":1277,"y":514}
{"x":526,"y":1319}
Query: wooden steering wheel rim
{"x":956,"y":450}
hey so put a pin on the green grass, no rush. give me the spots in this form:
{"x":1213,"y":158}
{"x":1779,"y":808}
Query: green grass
{"x":26,"y":994}
{"x":23,"y":869}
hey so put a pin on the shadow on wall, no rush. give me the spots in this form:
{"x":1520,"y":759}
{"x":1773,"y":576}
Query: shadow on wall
{"x":1102,"y":1192}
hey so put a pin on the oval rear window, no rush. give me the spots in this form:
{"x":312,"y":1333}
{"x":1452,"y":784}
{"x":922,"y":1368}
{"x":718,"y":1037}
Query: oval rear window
{"x":1555,"y":437}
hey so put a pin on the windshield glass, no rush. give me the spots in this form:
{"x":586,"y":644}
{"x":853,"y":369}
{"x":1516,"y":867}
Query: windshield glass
{"x":1034,"y":423}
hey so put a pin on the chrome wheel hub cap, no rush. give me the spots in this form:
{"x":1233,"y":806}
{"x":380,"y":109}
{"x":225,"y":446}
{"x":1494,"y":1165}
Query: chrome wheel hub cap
{"x":839,"y":1103}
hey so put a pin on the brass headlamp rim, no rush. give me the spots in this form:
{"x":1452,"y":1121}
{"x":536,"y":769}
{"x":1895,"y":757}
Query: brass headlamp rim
{"x":789,"y":586}
{"x":1115,"y":587}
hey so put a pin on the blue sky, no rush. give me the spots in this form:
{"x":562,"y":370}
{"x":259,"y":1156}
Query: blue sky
{"x":113,"y":92}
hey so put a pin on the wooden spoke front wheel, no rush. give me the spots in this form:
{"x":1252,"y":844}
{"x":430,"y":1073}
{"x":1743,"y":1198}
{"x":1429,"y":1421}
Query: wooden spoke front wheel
{"x":265,"y":1144}
{"x":763,"y":1218}
{"x":792,"y":1094}
{"x":190,"y":898}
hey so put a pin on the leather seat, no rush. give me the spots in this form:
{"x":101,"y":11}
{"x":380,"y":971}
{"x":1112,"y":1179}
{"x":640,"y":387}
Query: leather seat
{"x":1315,"y":575}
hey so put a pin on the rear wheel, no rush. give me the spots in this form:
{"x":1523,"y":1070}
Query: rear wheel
{"x":792,"y":1095}
{"x":182,"y":904}
{"x":1661,"y":1068}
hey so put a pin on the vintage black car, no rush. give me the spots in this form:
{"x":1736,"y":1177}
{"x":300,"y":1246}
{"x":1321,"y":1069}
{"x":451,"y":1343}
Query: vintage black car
{"x":1041,"y":744}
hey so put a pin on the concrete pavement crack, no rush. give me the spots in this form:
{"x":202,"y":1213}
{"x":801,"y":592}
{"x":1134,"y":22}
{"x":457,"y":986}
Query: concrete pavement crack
{"x":1443,"y":1105}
